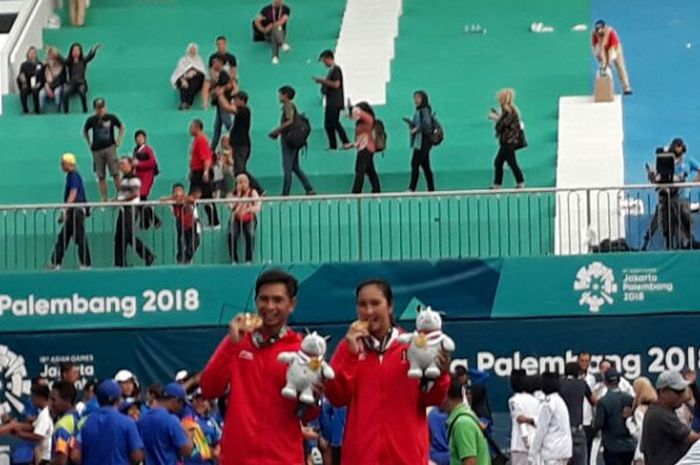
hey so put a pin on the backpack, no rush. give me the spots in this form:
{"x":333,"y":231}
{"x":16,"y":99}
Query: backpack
{"x":437,"y":134}
{"x":297,"y":135}
{"x":379,"y":135}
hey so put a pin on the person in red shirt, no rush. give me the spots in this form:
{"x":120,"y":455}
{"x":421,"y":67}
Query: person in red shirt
{"x":261,"y":426}
{"x":146,"y":171}
{"x":386,"y":419}
{"x":201,"y":160}
{"x":607,"y":48}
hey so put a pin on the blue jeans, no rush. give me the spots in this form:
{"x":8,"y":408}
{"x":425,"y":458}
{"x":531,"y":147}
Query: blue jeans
{"x":580,"y":448}
{"x":222,"y":118}
{"x":290,"y":164}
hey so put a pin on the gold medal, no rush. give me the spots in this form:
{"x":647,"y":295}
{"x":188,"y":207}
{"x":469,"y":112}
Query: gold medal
{"x":314,"y":364}
{"x":421,"y":341}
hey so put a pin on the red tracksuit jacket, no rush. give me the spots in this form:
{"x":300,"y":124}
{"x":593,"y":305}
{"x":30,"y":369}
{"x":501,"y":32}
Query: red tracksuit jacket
{"x":386,"y":422}
{"x":260,"y":427}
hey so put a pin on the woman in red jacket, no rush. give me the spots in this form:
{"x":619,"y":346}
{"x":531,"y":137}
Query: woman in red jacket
{"x":386,"y":422}
{"x":146,"y":171}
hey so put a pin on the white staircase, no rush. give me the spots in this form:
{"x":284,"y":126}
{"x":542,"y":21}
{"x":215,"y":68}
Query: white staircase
{"x":590,"y":154}
{"x":366,"y":47}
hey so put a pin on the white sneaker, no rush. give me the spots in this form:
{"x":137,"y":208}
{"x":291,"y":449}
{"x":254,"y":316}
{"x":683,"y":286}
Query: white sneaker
{"x":275,"y":61}
{"x":285,"y":47}
{"x":53,"y":267}
{"x":84,"y":267}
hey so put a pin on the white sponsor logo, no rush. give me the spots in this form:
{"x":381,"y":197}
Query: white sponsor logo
{"x":13,"y":381}
{"x":597,"y":285}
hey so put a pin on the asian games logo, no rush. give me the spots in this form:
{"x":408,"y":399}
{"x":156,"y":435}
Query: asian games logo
{"x":597,"y":285}
{"x":13,"y":381}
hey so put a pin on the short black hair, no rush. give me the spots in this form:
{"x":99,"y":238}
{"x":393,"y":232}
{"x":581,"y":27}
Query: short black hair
{"x":277,"y":276}
{"x":66,"y":390}
{"x":91,"y":384}
{"x":460,"y":370}
{"x":383,"y":286}
{"x":288,"y":91}
{"x":39,"y":379}
{"x":327,"y":54}
{"x":198,"y":122}
{"x":180,"y":185}
{"x":65,"y":367}
{"x":517,"y":380}
{"x":40,"y":390}
{"x":456,"y":389}
{"x":533,"y":383}
{"x":140,"y":132}
{"x":155,"y":390}
{"x":221,"y":38}
{"x":550,"y":382}
{"x":241,"y":95}
{"x":572,"y":369}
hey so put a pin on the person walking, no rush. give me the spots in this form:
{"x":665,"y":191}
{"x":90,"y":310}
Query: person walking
{"x":607,"y":47}
{"x":386,"y":420}
{"x":124,"y":235}
{"x":332,"y":88}
{"x":201,"y":174}
{"x":467,"y":442}
{"x":420,"y":126}
{"x":644,"y":396}
{"x":72,"y":217}
{"x":103,"y":144}
{"x":576,"y":393}
{"x":510,"y":137}
{"x":552,"y":442}
{"x":261,"y":426}
{"x":146,"y":169}
{"x":363,"y":114}
{"x":290,"y":155}
{"x":106,"y":436}
{"x":665,"y":439}
{"x":618,"y":443}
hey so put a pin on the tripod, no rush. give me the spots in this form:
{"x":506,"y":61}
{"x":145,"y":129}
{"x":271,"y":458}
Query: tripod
{"x":674,"y":221}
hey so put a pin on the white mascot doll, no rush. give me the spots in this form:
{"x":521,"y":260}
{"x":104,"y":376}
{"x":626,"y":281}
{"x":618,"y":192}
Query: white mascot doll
{"x":426,"y":342}
{"x":306,"y":367}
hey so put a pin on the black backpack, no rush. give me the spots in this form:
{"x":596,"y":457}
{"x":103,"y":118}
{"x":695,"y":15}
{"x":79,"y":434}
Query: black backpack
{"x":437,"y":134}
{"x":297,"y":135}
{"x":379,"y":135}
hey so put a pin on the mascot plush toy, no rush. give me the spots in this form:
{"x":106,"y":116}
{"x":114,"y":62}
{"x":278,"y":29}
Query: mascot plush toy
{"x":426,"y":342}
{"x":306,"y":367}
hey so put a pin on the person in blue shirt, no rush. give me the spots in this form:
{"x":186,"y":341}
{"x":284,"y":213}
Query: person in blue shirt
{"x":72,"y":217}
{"x":107,"y":437}
{"x":674,"y":204}
{"x":61,"y":405}
{"x":22,"y":452}
{"x":201,"y":426}
{"x":164,"y":438}
{"x":332,"y":425}
{"x":439,"y":444}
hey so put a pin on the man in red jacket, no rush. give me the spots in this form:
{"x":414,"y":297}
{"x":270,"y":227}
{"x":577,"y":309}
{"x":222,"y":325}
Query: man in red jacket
{"x":261,"y":426}
{"x":201,"y":174}
{"x":386,"y":420}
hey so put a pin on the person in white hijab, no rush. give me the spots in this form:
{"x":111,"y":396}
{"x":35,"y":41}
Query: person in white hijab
{"x":188,"y":76}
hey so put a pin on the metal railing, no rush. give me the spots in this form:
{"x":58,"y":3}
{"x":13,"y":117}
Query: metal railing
{"x":342,"y":228}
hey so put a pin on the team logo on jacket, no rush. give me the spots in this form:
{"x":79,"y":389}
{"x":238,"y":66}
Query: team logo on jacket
{"x":13,"y":381}
{"x":596,"y":283}
{"x":246,"y":355}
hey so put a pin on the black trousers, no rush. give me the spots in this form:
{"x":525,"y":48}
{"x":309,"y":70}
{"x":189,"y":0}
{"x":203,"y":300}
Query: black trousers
{"x":207,"y":188}
{"x":124,"y":237}
{"x":248,"y":230}
{"x":72,"y":88}
{"x":617,"y":458}
{"x":194,"y":85}
{"x":590,"y":435}
{"x":187,"y":243}
{"x":241,"y":155}
{"x":506,"y":154}
{"x":147,"y":216}
{"x":364,"y":165}
{"x":421,"y":160}
{"x":331,"y":123}
{"x":24,"y":92}
{"x":73,"y":228}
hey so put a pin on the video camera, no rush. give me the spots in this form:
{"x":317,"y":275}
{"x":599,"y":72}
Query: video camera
{"x":664,"y":171}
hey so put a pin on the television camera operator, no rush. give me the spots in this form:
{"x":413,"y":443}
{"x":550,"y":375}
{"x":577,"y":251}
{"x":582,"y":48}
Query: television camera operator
{"x":673,"y":210}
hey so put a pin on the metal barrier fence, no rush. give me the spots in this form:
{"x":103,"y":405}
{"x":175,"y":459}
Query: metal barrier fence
{"x":340,"y":228}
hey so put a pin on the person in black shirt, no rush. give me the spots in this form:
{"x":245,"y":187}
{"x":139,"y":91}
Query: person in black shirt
{"x":618,"y":443}
{"x":72,"y":217}
{"x":332,"y":88}
{"x":240,"y":135}
{"x":272,"y":23}
{"x":229,"y":64}
{"x":30,"y":80}
{"x":574,"y":391}
{"x":103,"y":144}
{"x":224,"y":87}
{"x":76,"y":75}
